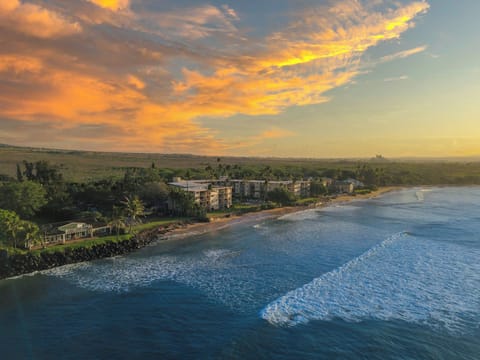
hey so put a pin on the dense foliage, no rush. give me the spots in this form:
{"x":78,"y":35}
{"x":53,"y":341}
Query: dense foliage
{"x":25,"y":198}
{"x":45,"y":192}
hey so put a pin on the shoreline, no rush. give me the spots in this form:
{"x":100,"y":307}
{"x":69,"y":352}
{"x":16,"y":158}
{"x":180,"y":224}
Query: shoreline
{"x":225,"y":222}
{"x":24,"y":264}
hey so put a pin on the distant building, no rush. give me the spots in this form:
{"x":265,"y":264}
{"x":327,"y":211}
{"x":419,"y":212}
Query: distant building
{"x":356,"y":183}
{"x":344,"y":186}
{"x":327,"y":182}
{"x":248,"y":189}
{"x":208,"y":196}
{"x":256,"y":189}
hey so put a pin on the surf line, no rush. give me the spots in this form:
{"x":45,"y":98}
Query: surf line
{"x":285,"y":311}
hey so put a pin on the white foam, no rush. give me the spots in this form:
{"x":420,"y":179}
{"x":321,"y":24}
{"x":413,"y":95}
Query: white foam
{"x":310,"y":214}
{"x":341,"y":207}
{"x":211,"y":272}
{"x":220,"y":254}
{"x":420,"y":196}
{"x":403,"y":278}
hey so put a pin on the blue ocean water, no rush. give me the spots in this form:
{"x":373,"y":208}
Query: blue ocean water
{"x":397,"y":277}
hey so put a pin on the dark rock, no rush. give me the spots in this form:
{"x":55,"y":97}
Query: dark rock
{"x":19,"y":264}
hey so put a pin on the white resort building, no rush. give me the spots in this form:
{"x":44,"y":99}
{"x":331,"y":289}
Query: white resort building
{"x":208,"y":196}
{"x":67,"y":231}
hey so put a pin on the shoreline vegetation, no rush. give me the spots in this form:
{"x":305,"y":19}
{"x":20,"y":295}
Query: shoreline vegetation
{"x":224,"y":222}
{"x":22,"y":263}
{"x":59,"y":207}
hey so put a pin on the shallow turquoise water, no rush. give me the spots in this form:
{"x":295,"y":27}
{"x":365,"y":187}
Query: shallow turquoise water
{"x":392,"y":278}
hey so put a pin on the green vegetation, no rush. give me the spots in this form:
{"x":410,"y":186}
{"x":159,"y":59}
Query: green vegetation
{"x":14,"y":230}
{"x":85,"y":243}
{"x":90,"y":242}
{"x":152,"y":224}
{"x":41,"y":186}
{"x":91,"y":167}
{"x":281,"y":196}
{"x":307,"y":201}
{"x":25,"y":197}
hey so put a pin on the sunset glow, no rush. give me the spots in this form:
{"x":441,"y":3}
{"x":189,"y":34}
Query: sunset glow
{"x":317,"y":79}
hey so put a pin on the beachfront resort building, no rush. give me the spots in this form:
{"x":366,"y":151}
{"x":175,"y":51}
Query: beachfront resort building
{"x":206,"y":194}
{"x":67,"y":231}
{"x":256,"y":189}
{"x":347,"y":186}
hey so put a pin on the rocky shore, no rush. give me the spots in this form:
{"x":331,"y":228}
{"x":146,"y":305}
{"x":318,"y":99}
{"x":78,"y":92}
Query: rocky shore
{"x":19,"y":264}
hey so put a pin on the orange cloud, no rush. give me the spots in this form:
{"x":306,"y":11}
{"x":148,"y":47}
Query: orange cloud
{"x":34,"y":20}
{"x":113,"y":5}
{"x":276,"y":133}
{"x":19,"y":64}
{"x":151,"y":94}
{"x":292,"y":72}
{"x":136,"y":82}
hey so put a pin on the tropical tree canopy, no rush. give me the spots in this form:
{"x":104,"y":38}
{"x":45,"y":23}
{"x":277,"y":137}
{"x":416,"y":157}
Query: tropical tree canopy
{"x":13,"y":230}
{"x":281,"y":196}
{"x":25,"y":198}
{"x":134,"y":209}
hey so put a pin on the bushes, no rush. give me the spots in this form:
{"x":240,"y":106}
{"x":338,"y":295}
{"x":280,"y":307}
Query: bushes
{"x":281,"y":196}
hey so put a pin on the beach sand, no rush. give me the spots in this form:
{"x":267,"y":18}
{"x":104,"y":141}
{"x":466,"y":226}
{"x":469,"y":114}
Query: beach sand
{"x":224,"y":222}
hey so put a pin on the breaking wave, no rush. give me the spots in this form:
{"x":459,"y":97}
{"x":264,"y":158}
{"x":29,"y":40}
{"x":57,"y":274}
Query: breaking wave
{"x":214,"y":272}
{"x":121,"y":274}
{"x":403,"y":278}
{"x":310,"y":214}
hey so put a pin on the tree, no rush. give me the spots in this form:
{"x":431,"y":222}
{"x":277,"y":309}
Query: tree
{"x":182,"y":202}
{"x":10,"y":227}
{"x":367,"y":175}
{"x":118,"y":220}
{"x":13,"y":229}
{"x":19,"y":174}
{"x":31,"y":233}
{"x":281,"y":196}
{"x":267,"y":175}
{"x":130,"y":182}
{"x":211,"y":172}
{"x":317,"y":188}
{"x":154,"y":193}
{"x":134,"y":209}
{"x":25,"y":198}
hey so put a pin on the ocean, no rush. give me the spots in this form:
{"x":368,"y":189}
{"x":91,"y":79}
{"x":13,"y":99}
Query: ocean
{"x":396,"y":277}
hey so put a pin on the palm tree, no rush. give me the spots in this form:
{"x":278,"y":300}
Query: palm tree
{"x":31,"y":233}
{"x":134,"y":209}
{"x":14,"y":226}
{"x":117,"y":221}
{"x":266,"y":174}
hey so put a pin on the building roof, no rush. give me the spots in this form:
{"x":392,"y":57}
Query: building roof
{"x":190,"y":185}
{"x":73,"y":226}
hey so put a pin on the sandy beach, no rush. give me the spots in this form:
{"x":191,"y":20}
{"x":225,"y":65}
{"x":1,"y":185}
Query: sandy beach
{"x":224,"y":222}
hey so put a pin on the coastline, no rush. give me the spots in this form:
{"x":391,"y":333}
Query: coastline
{"x":222,"y":223}
{"x":24,"y":264}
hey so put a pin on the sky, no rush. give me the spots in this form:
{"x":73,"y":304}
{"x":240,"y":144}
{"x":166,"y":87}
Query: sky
{"x":286,"y":78}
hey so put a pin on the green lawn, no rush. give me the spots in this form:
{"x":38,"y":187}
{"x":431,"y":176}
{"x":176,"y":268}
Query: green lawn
{"x":157,"y":223}
{"x":308,"y":201}
{"x":87,"y":243}
{"x":100,"y":240}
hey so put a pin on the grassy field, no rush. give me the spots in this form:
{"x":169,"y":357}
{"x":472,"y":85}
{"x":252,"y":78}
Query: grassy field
{"x":84,"y":165}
